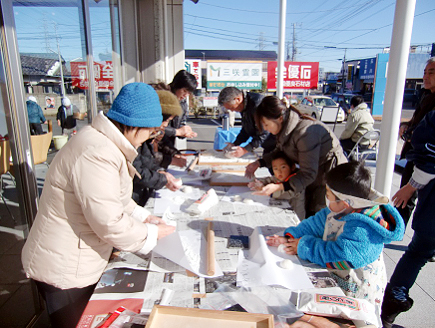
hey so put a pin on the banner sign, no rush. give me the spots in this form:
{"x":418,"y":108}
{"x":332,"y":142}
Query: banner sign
{"x":194,"y":68}
{"x":103,"y":73}
{"x":297,"y":75}
{"x":242,"y":75}
{"x":367,"y":69}
{"x":210,"y":101}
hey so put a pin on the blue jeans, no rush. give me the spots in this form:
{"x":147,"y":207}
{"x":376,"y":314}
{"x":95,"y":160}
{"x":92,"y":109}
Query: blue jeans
{"x":420,"y":250}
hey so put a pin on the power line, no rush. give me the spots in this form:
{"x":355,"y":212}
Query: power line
{"x":274,"y":12}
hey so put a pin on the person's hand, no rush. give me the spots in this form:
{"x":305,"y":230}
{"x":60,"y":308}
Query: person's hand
{"x":251,"y":168}
{"x":179,"y":160}
{"x":402,"y":129}
{"x":237,"y":151}
{"x":269,"y":189}
{"x":309,"y":321}
{"x":58,"y":122}
{"x":275,"y":240}
{"x":255,"y":185}
{"x":228,"y":147}
{"x":401,"y":197}
{"x":164,"y":230}
{"x":186,"y":131}
{"x":45,"y":122}
{"x":153,"y":219}
{"x":292,"y":246}
{"x":172,"y":182}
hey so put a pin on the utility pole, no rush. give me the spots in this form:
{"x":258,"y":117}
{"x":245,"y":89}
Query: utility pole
{"x":261,"y":41}
{"x":62,"y":86}
{"x":294,"y":44}
{"x":342,"y":77}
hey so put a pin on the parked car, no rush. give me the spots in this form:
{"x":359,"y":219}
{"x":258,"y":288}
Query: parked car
{"x":410,"y":95}
{"x":313,"y":106}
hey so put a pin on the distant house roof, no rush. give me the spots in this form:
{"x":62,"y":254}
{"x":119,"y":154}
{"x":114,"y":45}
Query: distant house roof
{"x":231,"y":54}
{"x":45,"y":64}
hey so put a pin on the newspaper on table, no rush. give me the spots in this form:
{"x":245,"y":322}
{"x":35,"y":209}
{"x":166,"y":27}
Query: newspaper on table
{"x":168,"y":283}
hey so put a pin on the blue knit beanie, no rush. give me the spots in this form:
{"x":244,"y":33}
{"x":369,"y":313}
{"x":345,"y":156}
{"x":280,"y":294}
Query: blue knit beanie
{"x":137,"y":105}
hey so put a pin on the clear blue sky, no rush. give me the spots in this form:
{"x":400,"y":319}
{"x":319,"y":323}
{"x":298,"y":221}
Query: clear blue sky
{"x":243,"y":25}
{"x":253,"y":24}
{"x":38,"y":26}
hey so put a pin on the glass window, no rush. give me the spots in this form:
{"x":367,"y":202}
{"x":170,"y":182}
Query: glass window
{"x":106,"y":50}
{"x":329,"y":102}
{"x":52,"y":49}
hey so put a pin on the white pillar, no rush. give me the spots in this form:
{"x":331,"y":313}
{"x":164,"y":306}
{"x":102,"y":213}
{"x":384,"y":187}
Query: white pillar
{"x":281,"y":48}
{"x":396,"y":74}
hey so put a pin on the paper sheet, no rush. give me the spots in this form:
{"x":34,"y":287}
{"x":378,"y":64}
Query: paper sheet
{"x":260,"y":266}
{"x":188,"y":249}
{"x":173,"y":200}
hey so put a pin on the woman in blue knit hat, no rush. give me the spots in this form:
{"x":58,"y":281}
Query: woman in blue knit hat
{"x":86,"y":208}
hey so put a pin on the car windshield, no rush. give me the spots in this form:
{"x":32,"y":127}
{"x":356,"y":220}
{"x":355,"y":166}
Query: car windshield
{"x":324,"y":102}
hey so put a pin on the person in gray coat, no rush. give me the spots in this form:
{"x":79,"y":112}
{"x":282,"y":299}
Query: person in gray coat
{"x":307,"y":142}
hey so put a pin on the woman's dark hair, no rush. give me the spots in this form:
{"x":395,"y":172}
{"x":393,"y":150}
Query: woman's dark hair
{"x":351,"y":179}
{"x":124,"y":128}
{"x":356,"y":100}
{"x":281,"y":154}
{"x":272,"y":108}
{"x":183,"y":79}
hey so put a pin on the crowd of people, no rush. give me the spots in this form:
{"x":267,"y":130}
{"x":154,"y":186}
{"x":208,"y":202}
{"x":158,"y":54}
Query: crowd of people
{"x":98,"y":183}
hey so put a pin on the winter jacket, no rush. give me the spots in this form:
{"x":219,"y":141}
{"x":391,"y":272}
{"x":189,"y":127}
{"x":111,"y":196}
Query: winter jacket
{"x":422,"y":155}
{"x":315,"y":148}
{"x":86,"y":209}
{"x":358,"y":123}
{"x":151,"y":179}
{"x":360,"y":241}
{"x":177,"y":121}
{"x":249,"y":128}
{"x":350,"y":246}
{"x":425,"y":105}
{"x":35,"y":112}
{"x":66,"y":117}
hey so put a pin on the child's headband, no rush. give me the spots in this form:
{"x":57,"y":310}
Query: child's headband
{"x":375,"y":198}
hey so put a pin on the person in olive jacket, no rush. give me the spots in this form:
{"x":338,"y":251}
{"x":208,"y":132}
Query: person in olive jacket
{"x":304,"y":140}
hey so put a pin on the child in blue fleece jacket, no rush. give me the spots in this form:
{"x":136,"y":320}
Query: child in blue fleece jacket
{"x":348,"y":236}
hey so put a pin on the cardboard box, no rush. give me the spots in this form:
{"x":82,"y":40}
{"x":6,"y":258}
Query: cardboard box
{"x":170,"y":317}
{"x":79,"y":116}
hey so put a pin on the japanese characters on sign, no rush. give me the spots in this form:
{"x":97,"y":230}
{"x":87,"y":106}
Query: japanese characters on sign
{"x":367,"y":69}
{"x":194,"y":68}
{"x":242,"y":75}
{"x":297,"y":75}
{"x":103,"y":73}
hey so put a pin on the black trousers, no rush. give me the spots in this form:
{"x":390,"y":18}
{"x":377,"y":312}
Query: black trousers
{"x":36,"y":129}
{"x":64,"y":306}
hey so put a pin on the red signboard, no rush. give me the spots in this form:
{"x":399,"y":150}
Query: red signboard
{"x":103,"y":73}
{"x":297,"y":75}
